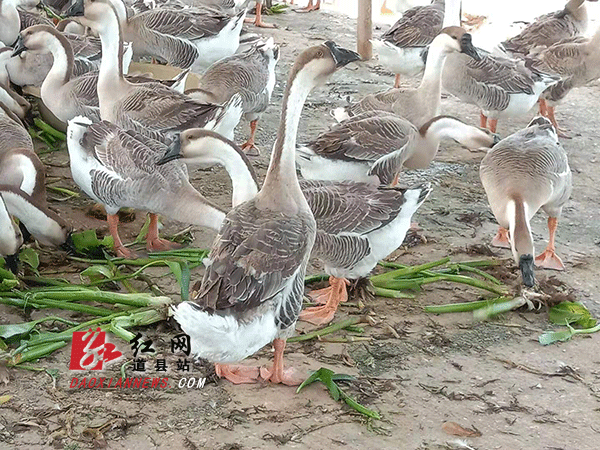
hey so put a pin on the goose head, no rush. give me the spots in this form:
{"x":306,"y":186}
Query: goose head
{"x":269,"y":50}
{"x":455,"y":39}
{"x":38,"y":38}
{"x":92,"y":13}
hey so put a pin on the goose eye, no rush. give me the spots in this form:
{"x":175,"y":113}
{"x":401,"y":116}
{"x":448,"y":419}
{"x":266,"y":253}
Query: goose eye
{"x":320,"y":54}
{"x":453,"y":37}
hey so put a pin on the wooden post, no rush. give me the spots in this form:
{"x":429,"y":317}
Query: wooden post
{"x":364,"y":29}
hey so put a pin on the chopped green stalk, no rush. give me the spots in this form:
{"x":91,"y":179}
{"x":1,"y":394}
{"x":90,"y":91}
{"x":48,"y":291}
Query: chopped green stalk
{"x":37,"y":352}
{"x":65,"y":191}
{"x":391,"y":293}
{"x":49,"y":303}
{"x":358,"y":407}
{"x":45,"y":281}
{"x":472,"y":282}
{"x":327,"y":330}
{"x":481,"y":273}
{"x":484,"y":262}
{"x":407,"y":271}
{"x":315,"y":278}
{"x":463,"y":307}
{"x":48,"y":129}
{"x":498,"y":308}
{"x":139,"y":300}
{"x":392,"y":265}
{"x":121,"y":332}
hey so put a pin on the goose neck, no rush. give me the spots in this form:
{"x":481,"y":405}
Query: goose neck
{"x":281,"y":180}
{"x":62,"y":66}
{"x":110,"y":77}
{"x":520,"y":232}
{"x":244,"y":184}
{"x":434,"y":66}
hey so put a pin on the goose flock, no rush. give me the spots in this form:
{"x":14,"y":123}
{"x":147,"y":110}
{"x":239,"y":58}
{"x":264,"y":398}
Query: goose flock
{"x":133,"y":141}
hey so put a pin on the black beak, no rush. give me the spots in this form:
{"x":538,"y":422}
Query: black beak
{"x":69,"y":246}
{"x":75,"y":9}
{"x":466,"y":47}
{"x":497,"y":138}
{"x":342,"y":56}
{"x":24,"y":232}
{"x":12,"y":262}
{"x":526,"y":266}
{"x":19,"y":46}
{"x":172,"y":153}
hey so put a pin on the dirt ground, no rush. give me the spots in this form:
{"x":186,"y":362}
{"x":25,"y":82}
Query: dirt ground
{"x":418,"y":370}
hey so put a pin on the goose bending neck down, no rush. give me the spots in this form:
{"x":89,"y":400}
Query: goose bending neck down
{"x":373,"y":147}
{"x":251,"y":293}
{"x":524,"y":172}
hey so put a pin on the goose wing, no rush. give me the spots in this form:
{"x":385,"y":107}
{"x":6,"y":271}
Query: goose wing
{"x":29,"y":19}
{"x":381,"y":101}
{"x":417,"y":27}
{"x":255,"y":258}
{"x":186,"y":24}
{"x":366,"y":137}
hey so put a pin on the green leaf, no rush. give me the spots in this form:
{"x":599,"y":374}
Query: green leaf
{"x":567,"y":313}
{"x":181,"y":271}
{"x":310,"y":380}
{"x":334,"y":391}
{"x":8,"y":284}
{"x":143,"y":232}
{"x":16,"y":329}
{"x":3,"y":346}
{"x":358,"y":407}
{"x":30,"y":257}
{"x":96,"y":273}
{"x":555,"y":336}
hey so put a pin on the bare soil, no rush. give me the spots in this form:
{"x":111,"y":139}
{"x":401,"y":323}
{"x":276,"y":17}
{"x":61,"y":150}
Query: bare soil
{"x":418,"y":370}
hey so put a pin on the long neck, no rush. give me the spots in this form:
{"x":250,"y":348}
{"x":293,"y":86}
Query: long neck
{"x":62,"y":67}
{"x":452,"y":13}
{"x":430,"y":89}
{"x":191,"y":207}
{"x":45,"y":225}
{"x":520,"y":233}
{"x":441,"y":127}
{"x":281,"y":181}
{"x":9,"y":237}
{"x":243,"y":183}
{"x":110,"y":78}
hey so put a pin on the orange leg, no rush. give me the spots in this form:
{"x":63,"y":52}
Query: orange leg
{"x":493,"y":124}
{"x":562,"y":133}
{"x":248,"y":146}
{"x":482,"y":120}
{"x":397,"y":81}
{"x":277,"y":374}
{"x":258,"y":19}
{"x":310,"y":7}
{"x":237,"y":374}
{"x":153,"y":242}
{"x":543,"y":107}
{"x":119,"y":248}
{"x":549,"y":259}
{"x":332,"y":296}
{"x":501,"y":238}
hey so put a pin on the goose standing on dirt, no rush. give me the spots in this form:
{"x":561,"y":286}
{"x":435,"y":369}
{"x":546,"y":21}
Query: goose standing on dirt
{"x":500,"y":87}
{"x":399,"y":49}
{"x":252,"y":74}
{"x":118,"y":168}
{"x":251,"y":293}
{"x":420,"y":104}
{"x":576,"y":61}
{"x":374,"y":146}
{"x":549,"y":29}
{"x":148,"y":108}
{"x":358,"y":224}
{"x":524,"y":172}
{"x":186,"y":38}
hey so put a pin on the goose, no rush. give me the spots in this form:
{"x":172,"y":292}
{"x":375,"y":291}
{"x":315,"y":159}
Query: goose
{"x":576,"y":61}
{"x":65,"y":95}
{"x":399,"y":49}
{"x":358,"y":224}
{"x":372,"y":147}
{"x":420,"y":104}
{"x":499,"y":86}
{"x":31,"y":68}
{"x":13,"y":18}
{"x":117,"y":168}
{"x":148,"y":108}
{"x":251,"y":293}
{"x":12,"y":132}
{"x":252,"y":74}
{"x":22,"y":178}
{"x":549,"y":29}
{"x":185,"y":38}
{"x":524,"y":172}
{"x":13,"y":101}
